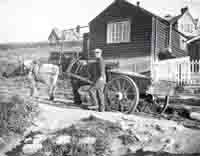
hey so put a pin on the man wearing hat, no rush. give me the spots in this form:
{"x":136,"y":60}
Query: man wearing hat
{"x":98,"y":76}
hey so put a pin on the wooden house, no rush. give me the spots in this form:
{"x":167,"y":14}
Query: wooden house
{"x":185,"y":24}
{"x":55,"y":36}
{"x":132,"y":35}
{"x":194,"y":48}
{"x":65,"y":41}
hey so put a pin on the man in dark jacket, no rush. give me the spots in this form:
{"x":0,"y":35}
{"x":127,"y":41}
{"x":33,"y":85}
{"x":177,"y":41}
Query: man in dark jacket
{"x":98,"y":76}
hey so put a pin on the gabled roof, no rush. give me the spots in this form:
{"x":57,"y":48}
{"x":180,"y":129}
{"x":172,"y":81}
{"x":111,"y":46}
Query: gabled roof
{"x":174,"y":19}
{"x":193,"y":39}
{"x":131,"y":5}
{"x":56,"y":33}
{"x":71,"y":35}
{"x":66,"y":35}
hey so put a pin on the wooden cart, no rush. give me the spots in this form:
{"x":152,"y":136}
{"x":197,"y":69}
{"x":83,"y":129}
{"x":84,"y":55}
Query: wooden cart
{"x":124,"y":89}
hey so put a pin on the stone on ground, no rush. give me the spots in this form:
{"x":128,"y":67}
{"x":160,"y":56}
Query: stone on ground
{"x":63,"y":139}
{"x":31,"y":148}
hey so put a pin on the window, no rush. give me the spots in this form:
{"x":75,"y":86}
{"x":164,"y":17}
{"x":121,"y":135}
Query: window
{"x":188,"y":28}
{"x":182,"y":27}
{"x":118,"y":32}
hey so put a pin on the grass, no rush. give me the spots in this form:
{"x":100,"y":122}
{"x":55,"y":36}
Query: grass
{"x":10,"y":59}
{"x":103,"y":131}
{"x":16,"y":114}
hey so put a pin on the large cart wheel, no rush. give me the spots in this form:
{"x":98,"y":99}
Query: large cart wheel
{"x":122,"y":94}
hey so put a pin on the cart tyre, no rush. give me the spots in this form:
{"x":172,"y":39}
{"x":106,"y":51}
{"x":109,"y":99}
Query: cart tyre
{"x":121,"y":79}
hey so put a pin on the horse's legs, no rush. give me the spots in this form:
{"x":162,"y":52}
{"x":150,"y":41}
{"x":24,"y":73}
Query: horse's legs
{"x":52,"y":92}
{"x":33,"y":88}
{"x":52,"y":89}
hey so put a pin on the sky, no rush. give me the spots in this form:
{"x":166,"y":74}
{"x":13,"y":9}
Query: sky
{"x":33,"y":20}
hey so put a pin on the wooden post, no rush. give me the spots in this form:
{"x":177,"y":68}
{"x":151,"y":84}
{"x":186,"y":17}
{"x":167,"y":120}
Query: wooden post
{"x":153,"y":47}
{"x":166,"y":103}
{"x":170,"y":38}
{"x":88,"y":47}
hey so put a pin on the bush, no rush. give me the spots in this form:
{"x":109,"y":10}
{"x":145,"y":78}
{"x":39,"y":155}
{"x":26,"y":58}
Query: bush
{"x":16,"y":114}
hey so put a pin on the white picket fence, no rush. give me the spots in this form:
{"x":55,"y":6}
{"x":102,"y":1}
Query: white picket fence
{"x":179,"y":70}
{"x":176,"y":70}
{"x":195,"y":72}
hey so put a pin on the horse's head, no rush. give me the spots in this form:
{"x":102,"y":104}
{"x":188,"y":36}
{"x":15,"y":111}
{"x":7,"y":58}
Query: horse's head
{"x":28,"y":65}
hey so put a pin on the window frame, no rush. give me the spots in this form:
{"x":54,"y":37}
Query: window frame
{"x":115,"y":39}
{"x":188,"y":28}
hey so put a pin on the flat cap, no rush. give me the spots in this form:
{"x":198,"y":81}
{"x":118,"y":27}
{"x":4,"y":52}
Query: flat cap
{"x":97,"y":50}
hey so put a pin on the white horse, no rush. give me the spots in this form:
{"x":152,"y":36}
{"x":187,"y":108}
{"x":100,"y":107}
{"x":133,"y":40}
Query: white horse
{"x":44,"y":73}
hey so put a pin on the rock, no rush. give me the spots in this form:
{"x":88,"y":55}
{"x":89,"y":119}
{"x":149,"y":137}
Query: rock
{"x":159,"y":128}
{"x":134,"y":148}
{"x":87,"y":140}
{"x":2,"y":142}
{"x":31,"y":148}
{"x":143,"y":137}
{"x":39,"y":138}
{"x":195,"y":115}
{"x":123,"y":125}
{"x":28,"y":141}
{"x":168,"y":140}
{"x":63,"y":139}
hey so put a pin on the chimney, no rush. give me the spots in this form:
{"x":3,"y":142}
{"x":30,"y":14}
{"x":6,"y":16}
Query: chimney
{"x":78,"y":28}
{"x":183,"y":10}
{"x":138,"y":3}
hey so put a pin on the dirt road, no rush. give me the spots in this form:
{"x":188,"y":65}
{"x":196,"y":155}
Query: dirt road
{"x":64,"y":98}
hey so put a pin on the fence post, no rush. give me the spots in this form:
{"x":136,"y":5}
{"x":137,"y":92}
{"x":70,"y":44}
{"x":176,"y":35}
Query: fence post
{"x":192,"y":66}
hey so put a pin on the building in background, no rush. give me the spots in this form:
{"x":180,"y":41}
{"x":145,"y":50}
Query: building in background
{"x":185,"y":24}
{"x":66,"y":40}
{"x":126,"y":31}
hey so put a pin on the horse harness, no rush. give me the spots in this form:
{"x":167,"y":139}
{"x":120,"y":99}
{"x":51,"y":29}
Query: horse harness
{"x":35,"y":71}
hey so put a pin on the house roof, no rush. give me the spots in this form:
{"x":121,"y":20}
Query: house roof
{"x":132,"y":5}
{"x":193,"y":39}
{"x":71,"y":35}
{"x":174,"y":19}
{"x":67,"y":35}
{"x":56,"y":33}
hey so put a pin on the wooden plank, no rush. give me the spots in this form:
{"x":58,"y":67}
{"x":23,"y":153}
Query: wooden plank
{"x":163,"y":88}
{"x":80,"y":78}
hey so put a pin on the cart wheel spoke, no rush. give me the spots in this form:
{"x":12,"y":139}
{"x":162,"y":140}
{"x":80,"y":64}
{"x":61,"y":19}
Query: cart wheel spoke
{"x":118,"y":85}
{"x":127,"y":89}
{"x":122,"y":94}
{"x":123,"y":85}
{"x":113,"y":88}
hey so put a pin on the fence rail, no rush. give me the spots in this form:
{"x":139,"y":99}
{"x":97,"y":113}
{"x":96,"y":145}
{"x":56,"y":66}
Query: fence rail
{"x":179,"y":70}
{"x":176,"y":70}
{"x":195,"y":72}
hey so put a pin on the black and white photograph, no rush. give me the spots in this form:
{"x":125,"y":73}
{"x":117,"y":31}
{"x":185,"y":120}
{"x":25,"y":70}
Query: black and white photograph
{"x":100,"y":78}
